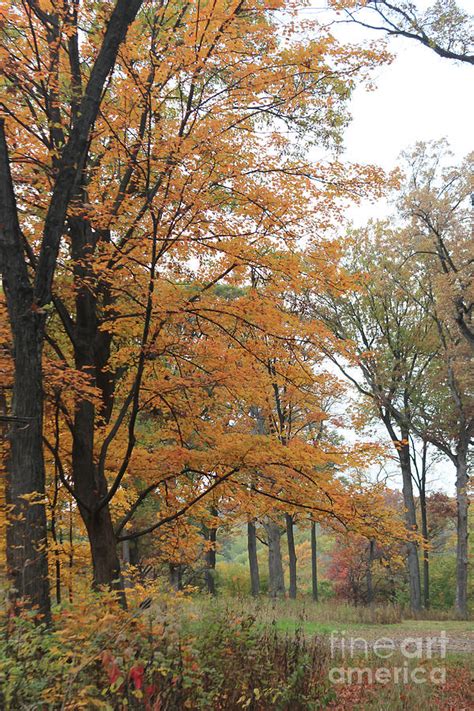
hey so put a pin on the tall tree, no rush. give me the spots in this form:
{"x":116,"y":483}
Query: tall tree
{"x":276,"y":580}
{"x":164,"y":186}
{"x":253,"y":559}
{"x":437,"y":244}
{"x":391,"y":342}
{"x":26,"y":295}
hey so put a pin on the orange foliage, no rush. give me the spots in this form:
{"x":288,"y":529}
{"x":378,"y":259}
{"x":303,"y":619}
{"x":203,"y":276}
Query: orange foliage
{"x":199,"y":226}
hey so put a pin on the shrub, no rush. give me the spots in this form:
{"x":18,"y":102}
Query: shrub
{"x":97,"y":655}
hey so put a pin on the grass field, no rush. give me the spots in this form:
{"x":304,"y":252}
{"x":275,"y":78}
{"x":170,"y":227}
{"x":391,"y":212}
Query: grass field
{"x":359,"y":677}
{"x":326,"y":617}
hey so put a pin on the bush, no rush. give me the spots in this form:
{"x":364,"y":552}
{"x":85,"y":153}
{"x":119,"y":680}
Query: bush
{"x":97,"y":655}
{"x":233,"y":579}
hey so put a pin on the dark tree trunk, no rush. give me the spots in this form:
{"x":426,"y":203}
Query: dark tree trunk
{"x":90,"y":488}
{"x":90,"y":484}
{"x":314,"y":561}
{"x":370,"y":584}
{"x":27,"y":558}
{"x":462,"y":551}
{"x":71,"y":554}
{"x":27,"y":541}
{"x":411,"y":523}
{"x":103,"y":546}
{"x":413,"y":564}
{"x":176,"y":576}
{"x":426,"y":560}
{"x":26,"y":533}
{"x":291,"y":555}
{"x":253,"y":560}
{"x":134,"y":551}
{"x":57,"y":560}
{"x":210,"y":572}
{"x":275,"y":565}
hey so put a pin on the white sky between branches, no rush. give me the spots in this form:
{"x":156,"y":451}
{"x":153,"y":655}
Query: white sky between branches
{"x":420,"y":96}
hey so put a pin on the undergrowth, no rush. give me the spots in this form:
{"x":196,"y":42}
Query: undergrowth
{"x":168,"y":658}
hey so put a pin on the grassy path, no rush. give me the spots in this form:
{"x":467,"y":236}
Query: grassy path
{"x":459,"y":634}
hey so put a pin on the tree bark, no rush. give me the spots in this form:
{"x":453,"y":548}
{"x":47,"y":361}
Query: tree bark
{"x":370,"y":584}
{"x":176,"y":576}
{"x":57,"y":560}
{"x":291,"y":555}
{"x":90,"y":488}
{"x":426,"y":559}
{"x":314,"y":561}
{"x":462,"y":505}
{"x":90,"y":484}
{"x":27,"y":540}
{"x":253,"y":560}
{"x":411,"y":523}
{"x":402,"y":447}
{"x":27,"y":558}
{"x":210,"y":572}
{"x":276,"y":582}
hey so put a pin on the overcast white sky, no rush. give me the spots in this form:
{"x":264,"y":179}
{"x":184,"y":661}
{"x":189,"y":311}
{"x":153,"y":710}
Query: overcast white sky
{"x":419,"y":96}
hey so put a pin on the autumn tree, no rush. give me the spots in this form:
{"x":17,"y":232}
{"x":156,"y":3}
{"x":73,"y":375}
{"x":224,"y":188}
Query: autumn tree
{"x":149,"y":179}
{"x":390,"y":342}
{"x":363,"y":572}
{"x":412,"y":329}
{"x":31,"y":76}
{"x":437,"y":246}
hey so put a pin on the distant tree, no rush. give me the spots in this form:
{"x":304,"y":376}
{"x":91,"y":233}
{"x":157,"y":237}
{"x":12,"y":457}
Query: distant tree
{"x":363,"y":572}
{"x":436,"y":245}
{"x":390,"y":344}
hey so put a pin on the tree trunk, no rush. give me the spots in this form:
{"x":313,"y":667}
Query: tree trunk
{"x":276,"y":583}
{"x":291,"y":555}
{"x":26,"y":538}
{"x":27,"y":558}
{"x":314,"y":561}
{"x":71,"y":554}
{"x":410,"y":521}
{"x":90,"y":484}
{"x":210,"y":572}
{"x":211,"y":561}
{"x":90,"y":488}
{"x":462,"y":501}
{"x":57,"y":560}
{"x":253,"y":560}
{"x":176,"y":576}
{"x":26,"y":533}
{"x":426,"y":560}
{"x":370,"y":585}
{"x":103,"y":547}
{"x":126,"y":581}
